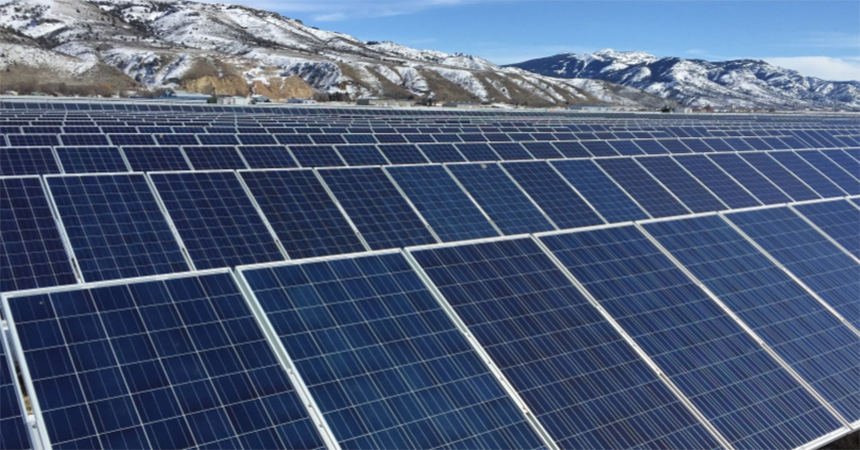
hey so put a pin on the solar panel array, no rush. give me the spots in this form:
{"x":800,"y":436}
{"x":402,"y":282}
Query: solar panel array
{"x":209,"y":276}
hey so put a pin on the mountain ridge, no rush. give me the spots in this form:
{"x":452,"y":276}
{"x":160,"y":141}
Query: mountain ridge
{"x":741,"y":83}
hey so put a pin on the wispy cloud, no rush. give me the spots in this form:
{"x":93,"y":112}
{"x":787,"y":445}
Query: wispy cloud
{"x":825,"y":67}
{"x":826,"y":39}
{"x":337,"y":10}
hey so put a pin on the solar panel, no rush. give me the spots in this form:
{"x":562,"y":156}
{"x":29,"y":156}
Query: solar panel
{"x":643,"y":187}
{"x":27,"y":161}
{"x":626,"y":147}
{"x":799,"y":329}
{"x":132,"y":139}
{"x":383,"y":217}
{"x":293,"y":139}
{"x":327,"y":139}
{"x":451,"y":213}
{"x":256,"y":139}
{"x":211,"y":157}
{"x":154,"y":159}
{"x":838,"y":219}
{"x":553,"y":194}
{"x":13,"y":424}
{"x":705,"y":353}
{"x":84,"y":140}
{"x":600,"y":191}
{"x":542,"y":150}
{"x":477,"y":152}
{"x":778,"y":175}
{"x":683,"y":185}
{"x":600,"y":148}
{"x":572,"y":149}
{"x":362,"y":155}
{"x":825,"y":268}
{"x":717,"y":181}
{"x":812,"y":177}
{"x":402,"y":153}
{"x":305,"y":218}
{"x":585,"y":385}
{"x":267,"y":156}
{"x":750,"y":178}
{"x":177,"y":362}
{"x":508,"y":206}
{"x":841,"y":158}
{"x":442,"y":153}
{"x":217,"y":139}
{"x":387,"y":366}
{"x":33,"y":140}
{"x":32,"y":254}
{"x":837,"y":174}
{"x":389,"y":138}
{"x":509,"y":151}
{"x":651,"y":146}
{"x":216,"y":220}
{"x":115,"y":226}
{"x":91,"y":159}
{"x":316,"y":155}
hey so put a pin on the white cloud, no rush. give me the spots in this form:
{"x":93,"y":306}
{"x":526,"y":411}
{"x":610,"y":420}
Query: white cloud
{"x":335,"y":10}
{"x":825,"y":67}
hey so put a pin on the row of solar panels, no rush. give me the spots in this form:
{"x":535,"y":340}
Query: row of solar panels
{"x":134,"y":224}
{"x":736,"y":330}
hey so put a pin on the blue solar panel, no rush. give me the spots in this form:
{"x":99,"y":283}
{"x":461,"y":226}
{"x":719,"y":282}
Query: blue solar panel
{"x":837,"y":174}
{"x":176,"y":139}
{"x":327,"y":139}
{"x":651,"y":146}
{"x":552,"y":193}
{"x":33,"y":140}
{"x":509,"y":208}
{"x":708,"y":356}
{"x":84,"y":139}
{"x":257,"y":139}
{"x":600,"y":148}
{"x":402,"y":153}
{"x":267,"y":156}
{"x":27,"y":161}
{"x":584,"y":384}
{"x":643,"y":187}
{"x":32,"y":254}
{"x":154,"y":159}
{"x":212,"y":157}
{"x":91,"y":159}
{"x":675,"y":146}
{"x":839,"y":219}
{"x":542,"y":150}
{"x":442,"y":153}
{"x":626,"y":147}
{"x":362,"y":155}
{"x":722,"y":185}
{"x":737,"y":144}
{"x":441,"y":201}
{"x":600,"y":191}
{"x":13,"y":425}
{"x":115,"y":226}
{"x":798,"y":328}
{"x":809,"y":255}
{"x":316,"y":155}
{"x":293,"y":139}
{"x":390,"y":138}
{"x":750,"y":178}
{"x":844,"y":160}
{"x":812,"y":177}
{"x":572,"y":149}
{"x":303,"y":215}
{"x":687,"y":188}
{"x":218,"y":139}
{"x":477,"y":152}
{"x":215,"y":218}
{"x":132,"y":139}
{"x":510,"y":151}
{"x":387,"y":366}
{"x":778,"y":175}
{"x":383,"y":217}
{"x":175,"y":363}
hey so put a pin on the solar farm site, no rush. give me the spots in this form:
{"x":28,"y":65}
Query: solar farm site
{"x":179,"y":276}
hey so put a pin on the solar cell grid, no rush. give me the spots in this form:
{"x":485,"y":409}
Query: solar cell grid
{"x":812,"y":177}
{"x":28,"y":161}
{"x":84,"y":139}
{"x":402,"y":153}
{"x":542,"y":150}
{"x":178,"y":363}
{"x":115,"y":226}
{"x":387,"y":366}
{"x":213,"y":157}
{"x":316,"y":155}
{"x":267,"y":156}
{"x":838,"y":219}
{"x":600,"y":191}
{"x":643,"y":187}
{"x":256,"y":139}
{"x":32,"y":140}
{"x":750,"y":178}
{"x":131,"y":139}
{"x":685,"y":187}
{"x":845,"y":160}
{"x":809,"y":338}
{"x":651,"y":147}
{"x":441,"y":153}
{"x":91,"y":159}
{"x":13,"y":425}
{"x":215,"y":218}
{"x":704,"y":352}
{"x":176,"y":139}
{"x":477,"y":152}
{"x":508,"y":206}
{"x":561,"y":356}
{"x":781,"y":177}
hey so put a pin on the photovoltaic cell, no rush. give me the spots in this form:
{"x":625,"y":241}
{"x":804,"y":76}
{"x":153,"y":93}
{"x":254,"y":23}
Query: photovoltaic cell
{"x":218,"y":139}
{"x":91,"y":159}
{"x":386,"y":365}
{"x":215,"y":218}
{"x":441,"y":201}
{"x":778,"y":175}
{"x":509,"y":151}
{"x":839,"y":219}
{"x":722,"y":185}
{"x":751,"y":179}
{"x":552,"y":193}
{"x":542,"y":150}
{"x":303,"y":215}
{"x":572,"y":149}
{"x":844,"y":160}
{"x":174,"y":363}
{"x":316,"y":155}
{"x":383,"y":217}
{"x":84,"y":140}
{"x":211,"y":157}
{"x":708,"y":356}
{"x":267,"y":156}
{"x":402,"y":153}
{"x":798,"y":328}
{"x":502,"y":200}
{"x":682,"y":184}
{"x":13,"y":424}
{"x":115,"y":226}
{"x":33,"y":140}
{"x":32,"y":254}
{"x":477,"y":152}
{"x":442,"y":153}
{"x":643,"y":187}
{"x":362,"y":155}
{"x":154,"y":159}
{"x":837,"y":174}
{"x":584,"y":384}
{"x":132,"y":139}
{"x":601,"y":192}
{"x":27,"y":161}
{"x":813,"y":178}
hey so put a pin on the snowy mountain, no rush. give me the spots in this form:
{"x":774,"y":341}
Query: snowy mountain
{"x":740,"y":83}
{"x":237,"y":49}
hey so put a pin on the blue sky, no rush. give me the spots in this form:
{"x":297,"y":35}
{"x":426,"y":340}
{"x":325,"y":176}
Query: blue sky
{"x":819,"y":38}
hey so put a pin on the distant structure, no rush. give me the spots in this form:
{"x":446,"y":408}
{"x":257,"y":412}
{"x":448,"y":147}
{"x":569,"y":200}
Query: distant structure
{"x":591,"y":108}
{"x":301,"y":101}
{"x":463,"y":105}
{"x":234,"y":100}
{"x":384,"y":102}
